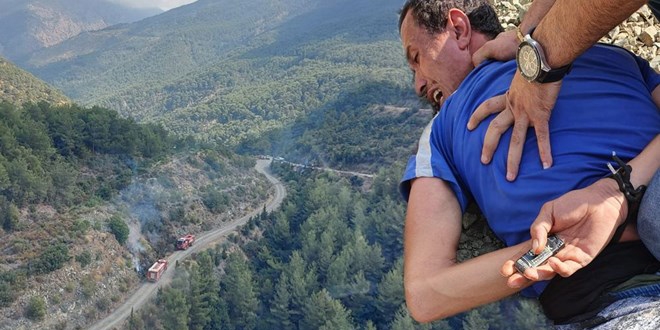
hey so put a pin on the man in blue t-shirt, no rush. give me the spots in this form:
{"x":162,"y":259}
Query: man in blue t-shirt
{"x":604,"y":106}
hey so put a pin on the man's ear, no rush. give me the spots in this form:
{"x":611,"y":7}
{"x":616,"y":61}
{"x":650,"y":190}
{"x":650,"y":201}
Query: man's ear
{"x":459,"y":24}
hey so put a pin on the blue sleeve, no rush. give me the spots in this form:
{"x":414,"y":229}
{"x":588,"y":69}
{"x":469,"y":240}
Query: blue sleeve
{"x":433,"y":160}
{"x":651,"y":78}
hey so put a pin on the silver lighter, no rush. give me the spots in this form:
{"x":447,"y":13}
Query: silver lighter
{"x":531,"y":260}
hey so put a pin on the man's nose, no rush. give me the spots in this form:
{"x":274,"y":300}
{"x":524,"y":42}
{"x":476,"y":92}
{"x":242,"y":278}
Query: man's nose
{"x":420,"y":85}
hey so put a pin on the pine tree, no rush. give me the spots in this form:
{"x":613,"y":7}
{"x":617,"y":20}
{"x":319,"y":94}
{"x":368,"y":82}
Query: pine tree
{"x":367,"y":258}
{"x":279,"y":237}
{"x":390,"y":294}
{"x":199,"y":307}
{"x":475,"y":321}
{"x":359,"y":299}
{"x":135,"y":322}
{"x":9,"y":214}
{"x":528,"y":315}
{"x":302,"y":282}
{"x":402,"y":320}
{"x":280,"y":305}
{"x":174,"y":314}
{"x":322,"y":312}
{"x":240,"y":293}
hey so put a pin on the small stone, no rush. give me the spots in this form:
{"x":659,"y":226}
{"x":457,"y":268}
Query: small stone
{"x":648,"y":36}
{"x":634,"y":17}
{"x":613,"y":32}
{"x":655,"y":62}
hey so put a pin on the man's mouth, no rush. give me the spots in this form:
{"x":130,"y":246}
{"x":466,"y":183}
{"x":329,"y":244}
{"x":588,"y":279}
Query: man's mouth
{"x":437,"y":96}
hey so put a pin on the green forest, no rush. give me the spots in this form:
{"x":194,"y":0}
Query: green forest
{"x":46,"y":155}
{"x":330,"y":258}
{"x":60,"y":165}
{"x":301,"y":72}
{"x":18,"y":86}
{"x":43,"y":148}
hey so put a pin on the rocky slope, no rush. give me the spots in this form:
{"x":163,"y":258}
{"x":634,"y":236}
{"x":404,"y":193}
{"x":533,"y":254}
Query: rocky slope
{"x":166,"y":201}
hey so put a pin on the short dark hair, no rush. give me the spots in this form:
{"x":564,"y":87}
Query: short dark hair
{"x":432,"y":15}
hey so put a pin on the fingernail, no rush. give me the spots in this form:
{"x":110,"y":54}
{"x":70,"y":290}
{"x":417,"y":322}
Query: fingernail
{"x":469,"y":126}
{"x":484,"y":159}
{"x":546,"y":165}
{"x":535,"y":245}
{"x":514,"y":285}
{"x":509,"y":176}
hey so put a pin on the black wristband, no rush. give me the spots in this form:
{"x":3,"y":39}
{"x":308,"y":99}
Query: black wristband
{"x":633,"y":195}
{"x":622,"y":178}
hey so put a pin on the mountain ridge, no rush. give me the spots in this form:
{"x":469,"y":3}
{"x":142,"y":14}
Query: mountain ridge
{"x":270,"y":78}
{"x":28,"y":26}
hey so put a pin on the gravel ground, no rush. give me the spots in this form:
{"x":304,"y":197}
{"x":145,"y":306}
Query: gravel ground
{"x":639,"y":33}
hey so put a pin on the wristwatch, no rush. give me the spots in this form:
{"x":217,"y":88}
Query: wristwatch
{"x":532,"y":64}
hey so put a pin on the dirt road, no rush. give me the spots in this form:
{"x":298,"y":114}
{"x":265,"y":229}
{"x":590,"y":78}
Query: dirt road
{"x":205,"y":240}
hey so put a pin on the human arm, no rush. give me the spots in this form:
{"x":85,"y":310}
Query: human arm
{"x":587,"y":218}
{"x":435,"y":285}
{"x":503,"y":48}
{"x":565,"y":31}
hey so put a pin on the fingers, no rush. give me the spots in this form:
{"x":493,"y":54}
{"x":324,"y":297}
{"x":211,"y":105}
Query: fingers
{"x":541,"y":273}
{"x":569,"y":260}
{"x":508,"y":268}
{"x":541,"y":227}
{"x":493,"y":105}
{"x":543,"y":141}
{"x":502,"y":48}
{"x":516,"y":280}
{"x":516,"y":145}
{"x":496,"y":128}
{"x":481,"y":54}
{"x":564,"y":268}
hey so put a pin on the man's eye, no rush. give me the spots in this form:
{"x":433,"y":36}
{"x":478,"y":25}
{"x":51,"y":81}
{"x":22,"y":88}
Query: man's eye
{"x":416,"y":59}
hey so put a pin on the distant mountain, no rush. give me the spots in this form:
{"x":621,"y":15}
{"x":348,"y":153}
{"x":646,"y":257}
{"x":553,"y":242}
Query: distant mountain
{"x":251,"y":74}
{"x":18,"y":86}
{"x":29,"y":25}
{"x":159,"y":48}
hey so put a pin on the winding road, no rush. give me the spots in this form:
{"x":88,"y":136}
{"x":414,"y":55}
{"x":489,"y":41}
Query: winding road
{"x":205,"y":240}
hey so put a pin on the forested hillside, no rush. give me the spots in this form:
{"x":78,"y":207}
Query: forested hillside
{"x":156,"y":50}
{"x":301,"y":71}
{"x":329,"y":259}
{"x":89,"y":199}
{"x":29,"y":25}
{"x":18,"y":86}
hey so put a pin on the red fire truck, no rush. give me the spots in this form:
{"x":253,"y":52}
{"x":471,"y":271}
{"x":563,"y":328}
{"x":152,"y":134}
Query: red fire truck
{"x":185,"y":242}
{"x":156,"y":270}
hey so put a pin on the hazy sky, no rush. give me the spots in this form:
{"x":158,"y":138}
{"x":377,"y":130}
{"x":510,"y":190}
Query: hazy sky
{"x":162,"y":4}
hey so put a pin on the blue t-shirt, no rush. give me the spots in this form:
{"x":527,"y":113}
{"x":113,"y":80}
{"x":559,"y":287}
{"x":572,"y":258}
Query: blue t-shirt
{"x":604,"y":105}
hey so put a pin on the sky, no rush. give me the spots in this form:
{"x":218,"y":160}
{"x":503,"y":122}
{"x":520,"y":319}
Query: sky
{"x":162,"y":4}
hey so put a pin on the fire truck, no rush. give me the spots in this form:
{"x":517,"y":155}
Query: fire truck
{"x":156,"y":270}
{"x":183,"y":243}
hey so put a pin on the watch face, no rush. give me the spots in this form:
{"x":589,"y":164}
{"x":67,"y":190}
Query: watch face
{"x":528,"y":61}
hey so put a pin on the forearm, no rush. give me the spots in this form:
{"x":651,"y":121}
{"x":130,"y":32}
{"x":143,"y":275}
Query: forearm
{"x":646,"y":163}
{"x":537,"y":10}
{"x":570,"y":27}
{"x":643,"y":166}
{"x":436,"y":286}
{"x":470,"y":284}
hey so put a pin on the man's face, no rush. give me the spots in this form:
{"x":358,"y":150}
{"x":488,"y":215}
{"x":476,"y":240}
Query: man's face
{"x":438,"y":63}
